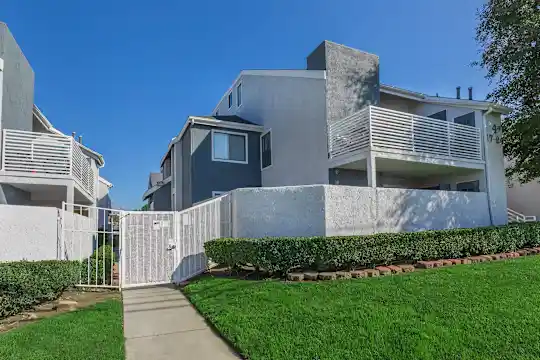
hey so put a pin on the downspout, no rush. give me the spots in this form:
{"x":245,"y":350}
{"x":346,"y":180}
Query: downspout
{"x":486,"y":164}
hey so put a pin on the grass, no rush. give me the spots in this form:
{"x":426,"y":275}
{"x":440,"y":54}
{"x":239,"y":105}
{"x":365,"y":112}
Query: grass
{"x":91,"y":333}
{"x":480,"y":311}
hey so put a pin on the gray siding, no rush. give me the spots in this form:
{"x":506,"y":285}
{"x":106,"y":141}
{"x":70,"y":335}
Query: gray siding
{"x":186,"y":170}
{"x":162,"y":198}
{"x":208,"y":175}
{"x":294,"y":109}
{"x":18,"y":85}
{"x":352,"y":78}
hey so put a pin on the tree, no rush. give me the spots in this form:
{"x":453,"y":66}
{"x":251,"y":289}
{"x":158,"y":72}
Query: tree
{"x":144,"y":207}
{"x":509,"y":36}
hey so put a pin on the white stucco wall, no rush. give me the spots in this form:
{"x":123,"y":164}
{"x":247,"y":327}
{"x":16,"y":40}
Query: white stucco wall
{"x":280,"y":211}
{"x":28,"y":232}
{"x":330,"y":210}
{"x":363,"y":210}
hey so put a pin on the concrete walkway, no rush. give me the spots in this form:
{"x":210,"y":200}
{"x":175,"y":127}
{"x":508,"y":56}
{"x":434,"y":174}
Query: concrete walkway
{"x":161,"y":324}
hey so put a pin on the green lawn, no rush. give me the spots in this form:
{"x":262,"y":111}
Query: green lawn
{"x":481,"y":311}
{"x":92,"y":333}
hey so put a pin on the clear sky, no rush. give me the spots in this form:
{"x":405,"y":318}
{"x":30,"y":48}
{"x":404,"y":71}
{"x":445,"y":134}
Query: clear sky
{"x":126,"y":74}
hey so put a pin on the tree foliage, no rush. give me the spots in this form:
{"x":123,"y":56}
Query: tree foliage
{"x":509,"y":36}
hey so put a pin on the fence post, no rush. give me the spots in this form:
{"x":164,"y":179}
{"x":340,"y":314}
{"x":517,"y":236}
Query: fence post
{"x":61,"y":214}
{"x":122,"y":245}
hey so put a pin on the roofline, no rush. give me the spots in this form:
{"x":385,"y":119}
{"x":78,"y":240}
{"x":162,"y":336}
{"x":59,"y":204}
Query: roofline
{"x":49,"y":126}
{"x":300,"y":73}
{"x":105,"y":182}
{"x":209,"y":122}
{"x":156,"y":187}
{"x":473,"y":104}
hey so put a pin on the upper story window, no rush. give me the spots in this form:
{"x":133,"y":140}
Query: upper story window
{"x":266,"y":149}
{"x":239,"y":95}
{"x":229,"y":146}
{"x":230,"y":100}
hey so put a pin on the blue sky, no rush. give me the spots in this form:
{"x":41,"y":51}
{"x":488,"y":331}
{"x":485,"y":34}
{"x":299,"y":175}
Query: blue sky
{"x":126,"y":74}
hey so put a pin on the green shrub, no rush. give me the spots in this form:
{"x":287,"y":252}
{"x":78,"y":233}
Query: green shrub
{"x":97,"y":269}
{"x":282,"y":254}
{"x":24,"y":284}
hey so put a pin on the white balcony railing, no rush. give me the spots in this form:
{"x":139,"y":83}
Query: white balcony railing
{"x":47,"y":154}
{"x":514,"y":216}
{"x":388,"y":130}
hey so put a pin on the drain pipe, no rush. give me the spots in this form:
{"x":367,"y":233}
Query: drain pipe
{"x":486,"y":162}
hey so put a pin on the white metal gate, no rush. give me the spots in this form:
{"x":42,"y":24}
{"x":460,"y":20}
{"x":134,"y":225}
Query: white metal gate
{"x":92,"y":235}
{"x":148,"y":247}
{"x":149,"y":243}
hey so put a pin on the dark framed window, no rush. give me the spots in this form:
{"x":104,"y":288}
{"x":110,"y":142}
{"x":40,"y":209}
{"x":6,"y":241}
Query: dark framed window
{"x":441,"y":115}
{"x":230,"y":100}
{"x":469,"y":186}
{"x":239,"y":95}
{"x":229,"y":146}
{"x":266,"y":149}
{"x":467,"y":119}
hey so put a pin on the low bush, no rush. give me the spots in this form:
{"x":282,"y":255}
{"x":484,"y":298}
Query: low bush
{"x":282,"y":254}
{"x":97,"y":269}
{"x":24,"y":284}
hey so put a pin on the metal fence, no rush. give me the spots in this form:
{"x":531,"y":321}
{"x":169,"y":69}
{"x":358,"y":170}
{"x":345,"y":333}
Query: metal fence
{"x":120,"y":249}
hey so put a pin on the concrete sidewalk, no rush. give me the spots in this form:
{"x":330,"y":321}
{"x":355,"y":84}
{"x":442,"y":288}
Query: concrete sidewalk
{"x":161,"y":324}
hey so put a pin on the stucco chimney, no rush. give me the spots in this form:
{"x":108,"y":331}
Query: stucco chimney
{"x":470,"y":92}
{"x":73,"y":134}
{"x":458,"y":92}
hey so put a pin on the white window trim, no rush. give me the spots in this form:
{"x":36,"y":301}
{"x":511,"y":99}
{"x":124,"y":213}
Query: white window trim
{"x":239,"y":85}
{"x":231,"y":133}
{"x":230,"y":103}
{"x":271,"y":149}
{"x":218,"y":193}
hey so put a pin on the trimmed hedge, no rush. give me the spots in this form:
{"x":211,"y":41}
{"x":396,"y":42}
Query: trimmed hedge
{"x":97,"y":269}
{"x":24,"y":284}
{"x":281,"y":254}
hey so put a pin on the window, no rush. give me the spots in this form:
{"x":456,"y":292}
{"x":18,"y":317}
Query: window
{"x":469,"y":186}
{"x":218,"y":193}
{"x":239,"y":95}
{"x":441,"y":115}
{"x":230,"y":100}
{"x":229,"y":147}
{"x":266,"y":150}
{"x":467,"y":119}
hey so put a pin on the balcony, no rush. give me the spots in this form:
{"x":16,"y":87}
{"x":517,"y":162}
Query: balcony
{"x":26,"y":153}
{"x":396,"y":133}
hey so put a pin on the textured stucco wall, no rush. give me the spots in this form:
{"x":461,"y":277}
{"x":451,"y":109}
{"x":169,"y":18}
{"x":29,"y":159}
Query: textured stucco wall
{"x":280,"y":211}
{"x":208,"y":175}
{"x":362,"y":210}
{"x":18,"y":84}
{"x":28,"y":232}
{"x":344,"y":210}
{"x":352,"y":78}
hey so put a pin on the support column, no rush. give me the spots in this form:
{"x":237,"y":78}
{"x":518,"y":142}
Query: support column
{"x":70,"y":198}
{"x":371,"y":170}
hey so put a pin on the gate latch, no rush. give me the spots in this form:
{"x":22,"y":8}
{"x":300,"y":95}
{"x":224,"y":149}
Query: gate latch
{"x":171,"y":246}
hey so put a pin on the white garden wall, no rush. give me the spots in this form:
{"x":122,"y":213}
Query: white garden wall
{"x":33,"y":233}
{"x":28,"y":233}
{"x":345,"y":210}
